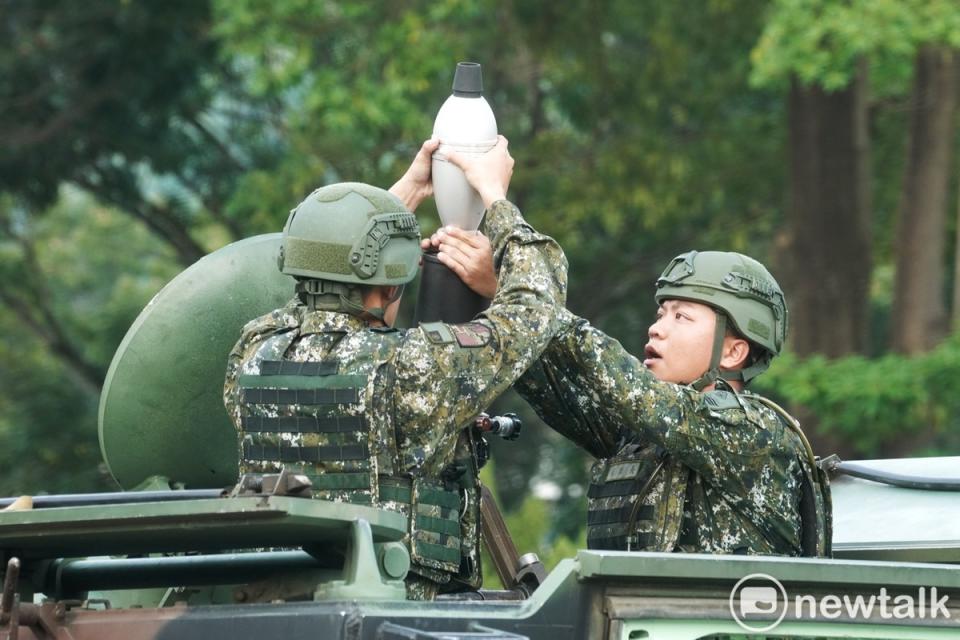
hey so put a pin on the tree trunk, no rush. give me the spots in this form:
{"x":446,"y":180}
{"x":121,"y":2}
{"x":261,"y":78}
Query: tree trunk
{"x":919,"y":315}
{"x":956,"y":269}
{"x":828,"y":248}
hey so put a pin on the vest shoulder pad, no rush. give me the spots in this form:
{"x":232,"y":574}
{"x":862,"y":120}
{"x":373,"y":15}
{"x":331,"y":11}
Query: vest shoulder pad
{"x":718,"y":400}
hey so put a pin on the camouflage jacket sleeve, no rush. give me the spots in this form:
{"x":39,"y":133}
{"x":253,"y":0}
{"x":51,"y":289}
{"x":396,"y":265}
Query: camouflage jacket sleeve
{"x":446,"y":374}
{"x":591,"y":390}
{"x":554,"y":387}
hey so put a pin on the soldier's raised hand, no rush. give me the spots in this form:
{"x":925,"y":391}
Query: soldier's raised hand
{"x":488,"y":173}
{"x":415,"y":185}
{"x":469,"y":255}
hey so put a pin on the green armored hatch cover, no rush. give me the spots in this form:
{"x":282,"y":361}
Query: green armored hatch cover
{"x":873,"y":520}
{"x":161,"y":409}
{"x":188,"y":525}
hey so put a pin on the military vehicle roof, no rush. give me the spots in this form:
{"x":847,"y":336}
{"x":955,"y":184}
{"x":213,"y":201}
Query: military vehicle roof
{"x":884,"y":522}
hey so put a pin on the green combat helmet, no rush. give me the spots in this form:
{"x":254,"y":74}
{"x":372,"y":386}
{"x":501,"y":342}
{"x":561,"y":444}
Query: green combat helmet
{"x":344,"y":235}
{"x":742,"y":292}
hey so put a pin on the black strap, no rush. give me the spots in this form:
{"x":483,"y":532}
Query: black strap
{"x":304,"y":424}
{"x":809,"y":526}
{"x":631,"y":485}
{"x":285,"y":453}
{"x":349,"y":395}
{"x":618,"y":515}
{"x":619,"y":543}
{"x":688,"y":528}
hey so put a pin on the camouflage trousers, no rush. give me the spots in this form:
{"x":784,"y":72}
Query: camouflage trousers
{"x":420,"y":588}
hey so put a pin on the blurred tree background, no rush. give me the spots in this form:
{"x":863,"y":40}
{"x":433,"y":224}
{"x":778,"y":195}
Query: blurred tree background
{"x":816,"y":135}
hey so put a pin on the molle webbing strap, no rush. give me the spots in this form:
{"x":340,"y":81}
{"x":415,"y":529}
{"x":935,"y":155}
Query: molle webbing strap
{"x":300,"y":396}
{"x":626,"y":477}
{"x":305,"y":424}
{"x":439,"y":552}
{"x":384,"y":405}
{"x":395,"y":490}
{"x":436,"y":514}
{"x":398,"y":489}
{"x":446,"y":526}
{"x":293,"y":368}
{"x":339,"y":481}
{"x":619,"y":488}
{"x":319,"y":381}
{"x":323,"y":453}
{"x":440,"y":498}
{"x":619,"y":514}
{"x":301,"y":389}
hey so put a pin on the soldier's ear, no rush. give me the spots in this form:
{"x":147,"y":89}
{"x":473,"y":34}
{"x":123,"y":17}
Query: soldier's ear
{"x":736,"y":353}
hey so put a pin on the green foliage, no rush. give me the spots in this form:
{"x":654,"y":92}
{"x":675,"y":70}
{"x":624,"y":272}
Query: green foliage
{"x":350,"y":83}
{"x":48,"y":430}
{"x":65,"y":102}
{"x":105,"y":268}
{"x":529,"y":533}
{"x":891,"y":405}
{"x":94,"y":269}
{"x":640,"y":130}
{"x":820,"y":41}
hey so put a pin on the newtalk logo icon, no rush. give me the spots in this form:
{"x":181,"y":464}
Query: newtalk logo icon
{"x":759,"y":602}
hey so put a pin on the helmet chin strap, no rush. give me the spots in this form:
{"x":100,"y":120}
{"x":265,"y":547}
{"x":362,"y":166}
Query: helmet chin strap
{"x":337,"y":297}
{"x":714,"y":373}
{"x":378,"y":313}
{"x":324,"y":295}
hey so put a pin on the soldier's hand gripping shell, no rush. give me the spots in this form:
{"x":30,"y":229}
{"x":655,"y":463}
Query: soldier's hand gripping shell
{"x":489,"y":173}
{"x":469,"y":255}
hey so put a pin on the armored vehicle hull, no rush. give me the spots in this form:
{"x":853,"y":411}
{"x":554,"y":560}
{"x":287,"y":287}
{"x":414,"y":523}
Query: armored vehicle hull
{"x":197,"y":568}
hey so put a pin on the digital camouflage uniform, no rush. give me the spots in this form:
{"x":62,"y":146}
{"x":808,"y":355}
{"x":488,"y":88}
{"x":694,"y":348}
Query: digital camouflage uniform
{"x":396,"y":402}
{"x":678,"y":469}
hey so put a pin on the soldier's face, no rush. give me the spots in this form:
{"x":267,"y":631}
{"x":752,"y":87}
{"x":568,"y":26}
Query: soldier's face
{"x":681,"y":341}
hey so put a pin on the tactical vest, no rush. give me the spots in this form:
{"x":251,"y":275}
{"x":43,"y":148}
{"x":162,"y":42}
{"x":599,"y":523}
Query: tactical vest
{"x":636,"y":498}
{"x":632,"y":502}
{"x":324,"y":420}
